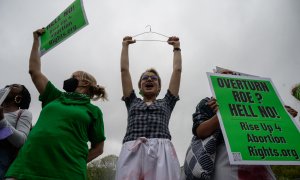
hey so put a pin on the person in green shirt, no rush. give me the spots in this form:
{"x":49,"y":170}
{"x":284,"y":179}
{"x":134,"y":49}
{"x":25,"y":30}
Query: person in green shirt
{"x":57,"y":146}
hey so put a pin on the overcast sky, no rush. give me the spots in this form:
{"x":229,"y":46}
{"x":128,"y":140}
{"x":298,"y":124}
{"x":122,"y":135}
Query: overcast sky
{"x":255,"y":37}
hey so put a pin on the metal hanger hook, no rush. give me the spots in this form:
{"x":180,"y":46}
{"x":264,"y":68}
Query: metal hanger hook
{"x":148,"y":26}
{"x":150,"y":31}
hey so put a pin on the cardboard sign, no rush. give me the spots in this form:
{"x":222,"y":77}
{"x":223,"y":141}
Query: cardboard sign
{"x":256,"y":127}
{"x":63,"y":26}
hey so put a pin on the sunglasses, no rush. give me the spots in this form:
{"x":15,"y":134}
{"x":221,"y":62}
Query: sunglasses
{"x":153,"y":77}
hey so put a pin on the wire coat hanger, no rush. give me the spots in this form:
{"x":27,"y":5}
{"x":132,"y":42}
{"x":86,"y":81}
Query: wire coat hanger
{"x":152,"y":32}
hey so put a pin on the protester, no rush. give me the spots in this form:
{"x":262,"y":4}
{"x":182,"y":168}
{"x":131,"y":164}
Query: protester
{"x":296,"y":92}
{"x":206,"y":123}
{"x":15,"y":124}
{"x":57,"y":146}
{"x":147,"y":152}
{"x":214,"y":160}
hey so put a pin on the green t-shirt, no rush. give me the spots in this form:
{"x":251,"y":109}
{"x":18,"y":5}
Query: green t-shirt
{"x":56,"y":147}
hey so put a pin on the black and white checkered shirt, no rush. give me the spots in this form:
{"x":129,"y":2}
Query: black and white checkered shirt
{"x":203,"y":113}
{"x":148,"y":121}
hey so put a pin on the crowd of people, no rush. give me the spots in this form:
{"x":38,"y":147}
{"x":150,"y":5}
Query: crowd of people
{"x":57,"y":146}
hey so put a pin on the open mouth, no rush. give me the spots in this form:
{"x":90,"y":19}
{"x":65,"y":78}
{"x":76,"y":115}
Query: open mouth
{"x":149,"y":85}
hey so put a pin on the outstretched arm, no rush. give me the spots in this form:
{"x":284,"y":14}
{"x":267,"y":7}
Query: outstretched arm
{"x":39,"y":79}
{"x":125,"y":74}
{"x":176,"y":74}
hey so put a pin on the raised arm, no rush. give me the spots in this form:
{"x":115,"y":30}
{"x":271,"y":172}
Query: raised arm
{"x":176,"y":74}
{"x":125,"y":74}
{"x":38,"y":78}
{"x":209,"y":126}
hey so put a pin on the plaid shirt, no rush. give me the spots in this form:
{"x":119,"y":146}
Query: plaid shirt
{"x":148,"y":121}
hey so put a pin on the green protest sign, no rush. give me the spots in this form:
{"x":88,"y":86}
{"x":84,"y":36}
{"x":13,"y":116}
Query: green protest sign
{"x":256,"y":127}
{"x":63,"y":26}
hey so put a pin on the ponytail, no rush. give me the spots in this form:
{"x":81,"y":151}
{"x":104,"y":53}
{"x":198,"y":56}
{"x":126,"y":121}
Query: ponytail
{"x":98,"y":92}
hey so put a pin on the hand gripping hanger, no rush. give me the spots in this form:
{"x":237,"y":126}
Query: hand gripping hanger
{"x":150,"y":31}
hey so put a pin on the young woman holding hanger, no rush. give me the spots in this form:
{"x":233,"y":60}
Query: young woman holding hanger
{"x":147,"y":151}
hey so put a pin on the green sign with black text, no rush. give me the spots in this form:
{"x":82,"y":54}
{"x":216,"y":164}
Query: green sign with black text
{"x":63,"y":26}
{"x":256,"y":127}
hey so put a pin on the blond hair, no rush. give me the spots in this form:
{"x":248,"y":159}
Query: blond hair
{"x":95,"y":92}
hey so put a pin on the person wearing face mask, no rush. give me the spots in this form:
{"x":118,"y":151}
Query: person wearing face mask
{"x":147,"y":152}
{"x":57,"y":147}
{"x":15,"y":124}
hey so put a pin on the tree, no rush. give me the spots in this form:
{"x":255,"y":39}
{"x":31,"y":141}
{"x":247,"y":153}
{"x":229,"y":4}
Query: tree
{"x":286,"y":172}
{"x":104,"y":169}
